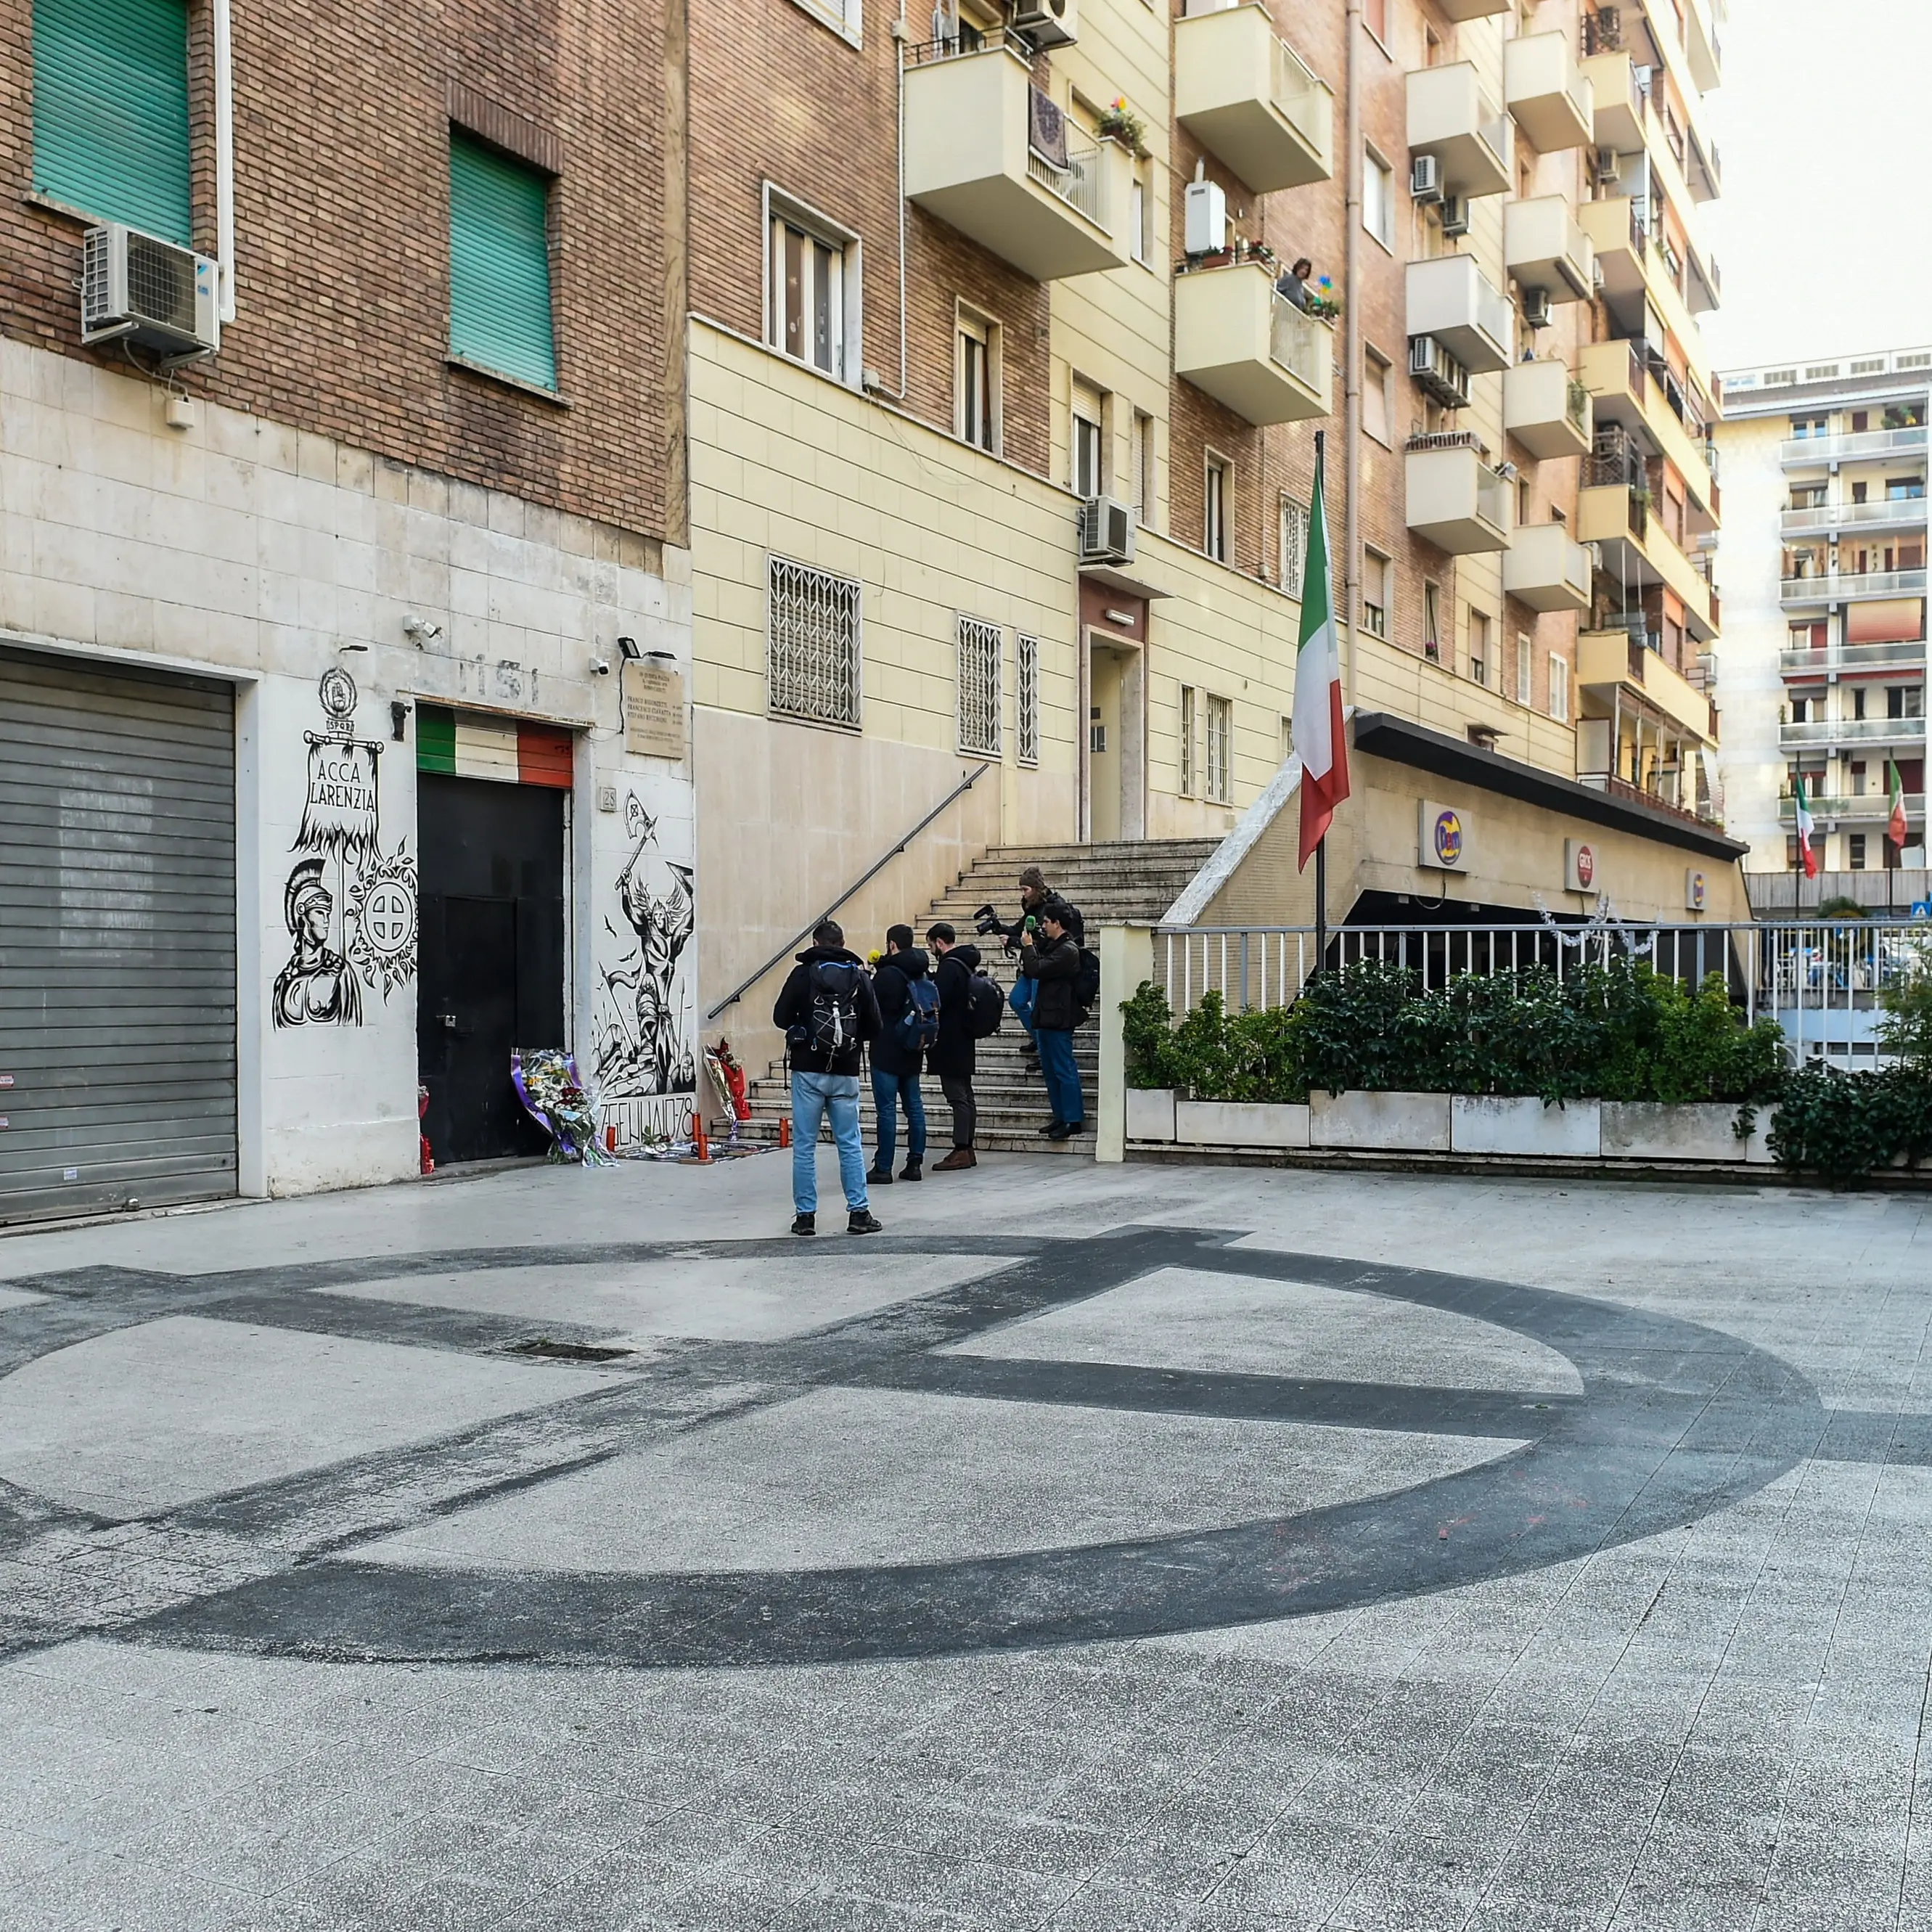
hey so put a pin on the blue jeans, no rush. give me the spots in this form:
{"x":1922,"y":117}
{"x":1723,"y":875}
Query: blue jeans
{"x":813,"y":1097}
{"x":1062,"y":1076}
{"x":1020,"y":999}
{"x":890,"y":1091}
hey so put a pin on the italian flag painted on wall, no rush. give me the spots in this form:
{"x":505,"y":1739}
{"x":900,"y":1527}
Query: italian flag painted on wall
{"x":1320,"y":741}
{"x":511,"y":751}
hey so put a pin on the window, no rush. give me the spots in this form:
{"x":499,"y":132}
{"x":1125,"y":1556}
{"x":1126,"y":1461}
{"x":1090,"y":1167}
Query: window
{"x":1287,"y":739}
{"x":978,"y":381}
{"x":812,"y":652}
{"x":1432,"y":623}
{"x":807,"y":309}
{"x":1858,"y":778}
{"x":980,"y":649}
{"x":1904,"y":489}
{"x":1377,"y":580}
{"x":1140,"y":212}
{"x":1377,"y":198}
{"x":843,"y":17}
{"x":1800,"y":710}
{"x":1858,"y":701}
{"x":1220,"y":749}
{"x":111,"y":111}
{"x":1141,"y":455}
{"x":1214,"y":510}
{"x":499,"y":313}
{"x":1809,"y":426}
{"x":1374,"y":17}
{"x":1028,"y":680}
{"x":1857,"y":843}
{"x":1559,"y":688}
{"x":1905,"y":700}
{"x":1376,"y":411}
{"x":1189,"y":706}
{"x":1479,"y":647}
{"x":1525,"y":668}
{"x":1293,"y":545}
{"x":1088,"y":451}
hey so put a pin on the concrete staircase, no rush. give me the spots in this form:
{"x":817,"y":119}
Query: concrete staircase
{"x":1132,"y":880}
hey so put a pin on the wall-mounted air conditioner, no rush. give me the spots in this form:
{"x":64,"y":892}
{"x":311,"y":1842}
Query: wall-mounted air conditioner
{"x":1605,"y":167}
{"x":1425,"y":178}
{"x":1536,"y":308}
{"x":1438,"y":371}
{"x":1047,"y":23}
{"x":1204,"y":217}
{"x":1455,"y":215}
{"x":135,"y":288}
{"x":1106,"y":531}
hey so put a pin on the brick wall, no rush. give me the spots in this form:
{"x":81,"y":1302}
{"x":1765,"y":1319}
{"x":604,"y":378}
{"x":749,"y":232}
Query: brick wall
{"x":341,"y":118}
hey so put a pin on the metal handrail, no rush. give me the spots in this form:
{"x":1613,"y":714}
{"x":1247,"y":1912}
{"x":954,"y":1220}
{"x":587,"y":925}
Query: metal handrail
{"x":864,"y":878}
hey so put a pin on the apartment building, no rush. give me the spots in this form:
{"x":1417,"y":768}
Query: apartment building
{"x":333,"y":502}
{"x":1002,"y":402}
{"x":1823,"y":655}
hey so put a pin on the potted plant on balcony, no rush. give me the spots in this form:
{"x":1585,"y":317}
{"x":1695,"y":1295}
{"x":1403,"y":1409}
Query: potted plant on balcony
{"x":1322,"y":302}
{"x":1120,"y":123}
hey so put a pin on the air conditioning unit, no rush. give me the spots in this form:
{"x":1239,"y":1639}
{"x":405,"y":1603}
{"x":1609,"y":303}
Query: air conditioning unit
{"x":135,"y":288}
{"x":1455,"y":215}
{"x":1047,"y":23}
{"x":1106,"y":531}
{"x":1605,"y":166}
{"x":1438,"y":371}
{"x":1205,"y":218}
{"x":1425,"y":178}
{"x":1536,"y":308}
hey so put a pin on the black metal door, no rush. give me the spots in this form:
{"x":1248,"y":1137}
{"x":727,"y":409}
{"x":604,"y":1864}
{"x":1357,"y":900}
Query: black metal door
{"x":492,"y":957}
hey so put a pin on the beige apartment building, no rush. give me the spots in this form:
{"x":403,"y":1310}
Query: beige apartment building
{"x":1824,"y":648}
{"x":1001,"y":433}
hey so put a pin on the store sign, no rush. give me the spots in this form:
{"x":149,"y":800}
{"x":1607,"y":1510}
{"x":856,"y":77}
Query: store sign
{"x":1580,"y":865}
{"x":1442,"y":837}
{"x":653,"y":710}
{"x":1697,"y":888}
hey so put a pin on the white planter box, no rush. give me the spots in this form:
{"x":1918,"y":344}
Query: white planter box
{"x":1647,"y":1130}
{"x":1483,"y":1124}
{"x":1149,"y":1113}
{"x":1403,"y":1122}
{"x":1240,"y":1123}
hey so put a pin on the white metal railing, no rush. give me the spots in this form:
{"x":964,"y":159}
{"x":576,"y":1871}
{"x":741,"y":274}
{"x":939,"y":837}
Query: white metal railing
{"x":1830,"y":586}
{"x":1851,"y":731}
{"x":1081,"y":184}
{"x":1302,"y":97}
{"x":1887,"y":512}
{"x":1819,"y":979}
{"x":1851,"y":446}
{"x":1303,"y":345}
{"x":1852,"y":657}
{"x":1870,"y":806}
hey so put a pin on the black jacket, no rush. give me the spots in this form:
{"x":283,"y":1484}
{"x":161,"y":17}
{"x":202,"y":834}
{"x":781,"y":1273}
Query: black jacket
{"x":1056,"y":968}
{"x":1016,"y":934}
{"x":889,"y":979}
{"x":794,"y":1008}
{"x":953,"y":1055}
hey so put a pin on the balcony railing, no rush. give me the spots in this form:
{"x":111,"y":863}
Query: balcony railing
{"x":1871,"y":808}
{"x":1888,"y":513}
{"x":1852,"y":657}
{"x":1304,"y":347}
{"x":1853,"y":446}
{"x":1833,"y":587}
{"x":1080,"y":184}
{"x":1815,"y":731}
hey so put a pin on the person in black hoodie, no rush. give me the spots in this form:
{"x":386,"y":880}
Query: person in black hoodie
{"x":896,"y":1066}
{"x":1053,"y":958}
{"x":828,"y":1012}
{"x":951,"y":1058}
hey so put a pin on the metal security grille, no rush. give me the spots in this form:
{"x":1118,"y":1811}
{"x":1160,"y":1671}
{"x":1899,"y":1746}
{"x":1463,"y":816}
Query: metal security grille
{"x":980,"y":653}
{"x":117,"y":974}
{"x":1220,"y":748}
{"x":1028,"y":680}
{"x":812,"y":643}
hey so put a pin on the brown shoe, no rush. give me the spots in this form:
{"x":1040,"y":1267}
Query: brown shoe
{"x":960,"y":1158}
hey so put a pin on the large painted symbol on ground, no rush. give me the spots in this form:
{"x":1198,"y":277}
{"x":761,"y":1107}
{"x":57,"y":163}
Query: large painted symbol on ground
{"x":1674,"y":1420}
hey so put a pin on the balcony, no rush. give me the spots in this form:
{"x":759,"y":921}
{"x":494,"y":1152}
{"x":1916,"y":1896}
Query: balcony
{"x":969,"y":161}
{"x":1249,"y":348}
{"x":1889,"y":513}
{"x":1451,"y":117}
{"x":1450,"y":299}
{"x":1614,"y":660}
{"x":1629,"y":392}
{"x":1701,"y":43}
{"x":1547,"y":91}
{"x":1805,"y":452}
{"x":1816,"y":733}
{"x":1455,"y":501}
{"x":1471,"y":10}
{"x":1547,"y":409}
{"x":1251,"y":100}
{"x":1546,"y":569}
{"x":1831,"y":587}
{"x":1795,"y":665}
{"x":1701,"y":169}
{"x":1543,"y":248}
{"x":1618,"y":101}
{"x":1636,"y":554}
{"x":1830,"y":810}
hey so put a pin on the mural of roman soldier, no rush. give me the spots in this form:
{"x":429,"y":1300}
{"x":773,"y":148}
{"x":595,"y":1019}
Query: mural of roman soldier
{"x":317,"y":987}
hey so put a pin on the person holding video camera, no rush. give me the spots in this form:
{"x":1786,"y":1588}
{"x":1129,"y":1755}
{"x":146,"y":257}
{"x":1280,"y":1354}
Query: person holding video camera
{"x":1034,"y":893}
{"x":1050,"y":957}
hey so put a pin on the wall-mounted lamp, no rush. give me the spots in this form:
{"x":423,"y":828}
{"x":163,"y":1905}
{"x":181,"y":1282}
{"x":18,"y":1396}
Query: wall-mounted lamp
{"x":627,"y":649}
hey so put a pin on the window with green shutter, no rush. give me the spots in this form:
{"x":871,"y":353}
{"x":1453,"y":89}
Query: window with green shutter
{"x":110,"y":111}
{"x":499,"y":313}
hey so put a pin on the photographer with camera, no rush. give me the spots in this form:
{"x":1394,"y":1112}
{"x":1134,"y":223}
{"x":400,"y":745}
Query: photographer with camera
{"x":1034,"y":894}
{"x":1052,"y":959}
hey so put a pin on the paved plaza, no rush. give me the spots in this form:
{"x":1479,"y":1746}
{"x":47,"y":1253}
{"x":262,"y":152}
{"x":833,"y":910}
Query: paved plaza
{"x":1109,"y":1550}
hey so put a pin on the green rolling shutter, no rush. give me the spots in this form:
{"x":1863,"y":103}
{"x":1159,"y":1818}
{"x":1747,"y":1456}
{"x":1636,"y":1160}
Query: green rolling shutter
{"x":110,"y":111}
{"x":499,"y":313}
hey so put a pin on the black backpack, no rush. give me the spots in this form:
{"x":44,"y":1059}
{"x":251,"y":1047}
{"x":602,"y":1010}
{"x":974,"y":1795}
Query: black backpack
{"x":832,"y":1026}
{"x":986,"y":1008}
{"x":1087,"y":981}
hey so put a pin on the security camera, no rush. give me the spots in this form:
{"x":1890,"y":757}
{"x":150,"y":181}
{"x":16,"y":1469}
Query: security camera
{"x":600,"y":667}
{"x":420,"y":631}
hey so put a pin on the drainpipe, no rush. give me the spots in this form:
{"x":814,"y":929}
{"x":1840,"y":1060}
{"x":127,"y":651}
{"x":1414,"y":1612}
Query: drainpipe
{"x":224,"y":156}
{"x":1351,"y":352}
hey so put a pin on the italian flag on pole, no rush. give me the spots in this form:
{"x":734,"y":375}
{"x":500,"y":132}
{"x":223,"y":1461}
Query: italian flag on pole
{"x":1802,"y":816}
{"x":1319,"y":740}
{"x":1894,"y":828}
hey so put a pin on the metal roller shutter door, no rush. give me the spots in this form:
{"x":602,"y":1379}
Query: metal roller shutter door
{"x":117,"y":937}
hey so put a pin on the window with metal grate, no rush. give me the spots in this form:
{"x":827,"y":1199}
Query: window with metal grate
{"x":812,"y":649}
{"x":980,"y":649}
{"x":1028,"y":681}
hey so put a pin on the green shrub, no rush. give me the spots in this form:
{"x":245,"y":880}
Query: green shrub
{"x":1906,"y":1001}
{"x":1842,"y":1126}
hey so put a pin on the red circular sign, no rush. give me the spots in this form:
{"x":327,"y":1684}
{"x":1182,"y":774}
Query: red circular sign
{"x":1586,"y":865}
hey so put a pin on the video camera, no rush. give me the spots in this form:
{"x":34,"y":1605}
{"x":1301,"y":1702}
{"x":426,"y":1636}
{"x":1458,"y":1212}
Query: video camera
{"x":986,"y":922}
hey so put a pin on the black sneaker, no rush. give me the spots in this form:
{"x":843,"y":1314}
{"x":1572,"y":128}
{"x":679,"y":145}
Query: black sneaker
{"x":805,"y":1224}
{"x":1065,"y":1130}
{"x":911,"y":1171}
{"x":1050,"y":1130}
{"x":863,"y":1223}
{"x":879,"y":1176}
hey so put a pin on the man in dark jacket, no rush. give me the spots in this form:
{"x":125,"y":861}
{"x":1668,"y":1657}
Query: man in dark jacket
{"x":1034,"y":893}
{"x":896,"y":1067}
{"x":1053,"y":959}
{"x":828,"y":1012}
{"x":952,"y":1058}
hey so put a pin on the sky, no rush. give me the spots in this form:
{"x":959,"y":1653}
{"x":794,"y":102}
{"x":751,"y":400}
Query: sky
{"x":1823,"y":234}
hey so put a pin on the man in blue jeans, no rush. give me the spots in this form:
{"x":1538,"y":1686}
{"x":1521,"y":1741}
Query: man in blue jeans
{"x":1052,"y":959}
{"x":828,"y":1012}
{"x":898,"y":1061}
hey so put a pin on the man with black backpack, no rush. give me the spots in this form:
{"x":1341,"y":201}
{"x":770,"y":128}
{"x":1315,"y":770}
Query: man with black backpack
{"x":970,"y":1009}
{"x":908,"y":1029}
{"x":828,"y":1012}
{"x":1065,"y":971}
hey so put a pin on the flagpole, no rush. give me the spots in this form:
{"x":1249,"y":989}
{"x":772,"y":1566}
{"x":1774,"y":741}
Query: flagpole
{"x":1322,"y":902}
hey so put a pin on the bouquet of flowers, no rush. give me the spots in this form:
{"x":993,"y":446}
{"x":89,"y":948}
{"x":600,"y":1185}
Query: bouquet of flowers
{"x":556,"y":1098}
